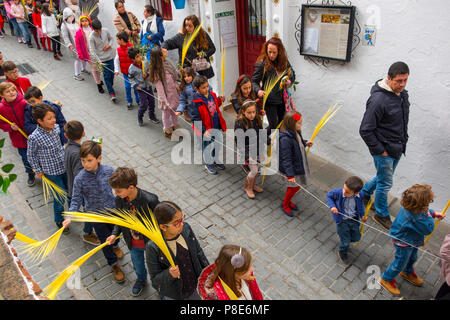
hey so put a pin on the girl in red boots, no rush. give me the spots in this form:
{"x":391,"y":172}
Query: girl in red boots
{"x":293,"y":162}
{"x":231,"y":270}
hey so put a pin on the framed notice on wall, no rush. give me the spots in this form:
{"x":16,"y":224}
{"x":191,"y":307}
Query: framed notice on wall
{"x":327,"y":31}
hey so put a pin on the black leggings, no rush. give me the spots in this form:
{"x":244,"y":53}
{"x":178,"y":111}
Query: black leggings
{"x":443,"y":293}
{"x":56,"y":45}
{"x":275,"y":114}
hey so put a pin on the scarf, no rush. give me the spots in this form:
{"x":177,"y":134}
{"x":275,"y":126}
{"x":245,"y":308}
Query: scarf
{"x":153,"y":27}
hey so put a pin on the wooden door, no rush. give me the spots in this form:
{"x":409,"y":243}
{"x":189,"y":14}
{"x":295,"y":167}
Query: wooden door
{"x":251,"y":28}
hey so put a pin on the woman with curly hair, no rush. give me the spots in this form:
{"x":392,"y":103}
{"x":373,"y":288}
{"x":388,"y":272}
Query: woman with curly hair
{"x":201,"y":47}
{"x":271,"y":63}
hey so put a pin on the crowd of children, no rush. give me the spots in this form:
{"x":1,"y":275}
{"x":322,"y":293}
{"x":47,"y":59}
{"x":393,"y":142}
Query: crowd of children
{"x":52,"y":148}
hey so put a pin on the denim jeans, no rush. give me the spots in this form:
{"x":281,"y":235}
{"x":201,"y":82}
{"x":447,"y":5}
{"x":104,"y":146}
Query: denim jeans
{"x":16,"y":28}
{"x":103,"y":231}
{"x":88,"y":226}
{"x":108,"y":75}
{"x":137,"y":257}
{"x":128,"y":90}
{"x":58,"y":202}
{"x":381,"y":183}
{"x":348,"y":231}
{"x":211,"y":149}
{"x":23,"y":155}
{"x":405,"y":257}
{"x":24,"y":31}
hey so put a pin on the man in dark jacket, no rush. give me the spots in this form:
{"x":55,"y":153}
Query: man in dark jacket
{"x":140,"y":202}
{"x":384,"y":129}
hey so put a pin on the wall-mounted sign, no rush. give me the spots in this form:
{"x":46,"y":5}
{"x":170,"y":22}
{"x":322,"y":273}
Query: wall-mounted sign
{"x":370,"y":35}
{"x":227,"y":28}
{"x":327,"y":31}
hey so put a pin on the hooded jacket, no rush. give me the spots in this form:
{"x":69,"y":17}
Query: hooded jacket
{"x":68,"y":32}
{"x":290,"y":155}
{"x":14,"y":112}
{"x":384,"y":126}
{"x":410,"y":228}
{"x":201,"y":113}
{"x":217,"y":292}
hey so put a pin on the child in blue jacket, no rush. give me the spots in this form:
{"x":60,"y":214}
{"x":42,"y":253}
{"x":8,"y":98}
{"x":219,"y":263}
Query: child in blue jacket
{"x":293,"y":162}
{"x":413,"y":222}
{"x":347,"y":206}
{"x":33,"y":95}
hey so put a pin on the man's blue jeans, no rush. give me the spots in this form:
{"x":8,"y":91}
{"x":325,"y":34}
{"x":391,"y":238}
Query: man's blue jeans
{"x":128,"y":90}
{"x":348,"y":231}
{"x":405,"y":257}
{"x":58,"y":202}
{"x":381,"y":183}
{"x":137,"y":257}
{"x":211,"y":148}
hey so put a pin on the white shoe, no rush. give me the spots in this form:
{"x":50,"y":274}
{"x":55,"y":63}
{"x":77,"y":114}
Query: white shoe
{"x":78,"y":77}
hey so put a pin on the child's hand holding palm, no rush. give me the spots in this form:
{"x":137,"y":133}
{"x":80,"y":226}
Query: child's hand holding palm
{"x":175,"y":272}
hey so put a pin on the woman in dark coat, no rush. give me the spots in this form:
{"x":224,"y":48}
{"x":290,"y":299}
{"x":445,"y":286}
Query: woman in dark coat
{"x":202,"y":45}
{"x":272,"y":62}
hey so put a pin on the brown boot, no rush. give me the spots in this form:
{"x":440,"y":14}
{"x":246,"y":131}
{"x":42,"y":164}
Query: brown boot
{"x":118,"y":252}
{"x":390,"y":286}
{"x":255,"y":187}
{"x":186,"y":116}
{"x":168,"y":134}
{"x":249,"y":187}
{"x":56,"y":57}
{"x":412,"y":278}
{"x":119,"y":276}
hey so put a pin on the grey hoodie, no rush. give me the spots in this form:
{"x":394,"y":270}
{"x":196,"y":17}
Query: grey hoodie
{"x":68,"y":31}
{"x":97,"y":42}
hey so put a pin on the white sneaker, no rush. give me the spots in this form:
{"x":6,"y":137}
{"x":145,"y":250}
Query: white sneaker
{"x":78,"y":77}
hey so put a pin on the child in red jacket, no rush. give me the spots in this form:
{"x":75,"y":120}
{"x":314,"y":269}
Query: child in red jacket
{"x":12,"y":108}
{"x":207,"y":122}
{"x":12,"y":75}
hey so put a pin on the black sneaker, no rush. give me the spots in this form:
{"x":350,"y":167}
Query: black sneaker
{"x":140,"y":122}
{"x":153,"y":119}
{"x":31,"y":179}
{"x":100,"y":88}
{"x":129,"y":106}
{"x":211,"y":168}
{"x":139,"y":285}
{"x":385,"y":222}
{"x":344,"y":257}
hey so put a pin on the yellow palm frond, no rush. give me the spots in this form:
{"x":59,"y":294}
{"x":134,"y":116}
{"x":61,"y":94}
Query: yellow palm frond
{"x":269,"y":152}
{"x":39,"y":250}
{"x":89,"y":9}
{"x":50,"y":190}
{"x":44,"y":84}
{"x":24,"y":238}
{"x":52,"y":289}
{"x":270,"y":84}
{"x":228,"y":290}
{"x":366,"y":213}
{"x":125,"y":218}
{"x":436,"y":223}
{"x":188,"y":39}
{"x":10,"y":123}
{"x":222,"y":70}
{"x":327,"y":117}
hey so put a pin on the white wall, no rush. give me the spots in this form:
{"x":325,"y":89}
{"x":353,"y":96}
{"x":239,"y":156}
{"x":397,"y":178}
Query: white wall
{"x":415,"y":32}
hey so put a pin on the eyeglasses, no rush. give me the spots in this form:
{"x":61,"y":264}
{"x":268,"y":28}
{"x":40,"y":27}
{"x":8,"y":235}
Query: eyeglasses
{"x":177,"y":223}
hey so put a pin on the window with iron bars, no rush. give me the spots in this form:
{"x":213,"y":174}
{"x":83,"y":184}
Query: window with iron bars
{"x":164,"y":7}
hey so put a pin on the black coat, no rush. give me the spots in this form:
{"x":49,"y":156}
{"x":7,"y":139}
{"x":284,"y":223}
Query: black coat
{"x":158,"y":265}
{"x":384,"y":126}
{"x":260,"y":77}
{"x":290,"y":156}
{"x":248,"y":149}
{"x":143,"y":201}
{"x":176,"y":42}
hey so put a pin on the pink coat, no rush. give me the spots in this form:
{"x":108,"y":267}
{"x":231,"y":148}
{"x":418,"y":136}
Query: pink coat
{"x":445,"y":259}
{"x":81,"y":44}
{"x":18,"y":12}
{"x":168,"y":95}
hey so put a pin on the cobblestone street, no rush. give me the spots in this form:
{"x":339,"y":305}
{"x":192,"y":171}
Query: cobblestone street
{"x":294,"y":258}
